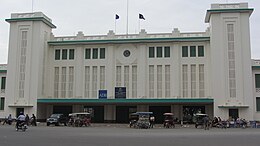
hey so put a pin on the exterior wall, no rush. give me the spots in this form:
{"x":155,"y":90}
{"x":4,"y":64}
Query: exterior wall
{"x":41,"y":68}
{"x":3,"y":68}
{"x":220,"y":62}
{"x":256,"y":91}
{"x":36,"y":36}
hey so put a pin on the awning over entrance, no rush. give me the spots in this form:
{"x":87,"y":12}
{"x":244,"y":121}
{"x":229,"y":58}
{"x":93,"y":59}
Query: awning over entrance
{"x":20,"y":105}
{"x":233,"y":106}
{"x":142,"y":101}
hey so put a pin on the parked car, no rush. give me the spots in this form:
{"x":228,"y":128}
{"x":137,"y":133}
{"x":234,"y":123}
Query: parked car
{"x":57,"y":119}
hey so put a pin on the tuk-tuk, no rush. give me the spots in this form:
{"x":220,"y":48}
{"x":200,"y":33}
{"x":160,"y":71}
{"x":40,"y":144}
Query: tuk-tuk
{"x":141,"y":120}
{"x":168,"y":120}
{"x":79,"y":119}
{"x":198,"y":119}
{"x":133,"y":119}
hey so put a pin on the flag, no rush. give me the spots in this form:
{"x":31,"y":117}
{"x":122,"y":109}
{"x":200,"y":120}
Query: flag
{"x":141,"y":16}
{"x":117,"y":16}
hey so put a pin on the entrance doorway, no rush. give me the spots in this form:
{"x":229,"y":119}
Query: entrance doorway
{"x":97,"y":113}
{"x":66,"y":110}
{"x":123,"y":112}
{"x":158,"y":112}
{"x":233,"y":113}
{"x":18,"y":111}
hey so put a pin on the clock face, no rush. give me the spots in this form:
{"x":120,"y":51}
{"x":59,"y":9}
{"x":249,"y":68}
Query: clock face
{"x":126,"y":53}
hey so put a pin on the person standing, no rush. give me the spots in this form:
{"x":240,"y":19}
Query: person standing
{"x":34,"y":120}
{"x":27,"y":119}
{"x":206,"y":122}
{"x":9,"y":119}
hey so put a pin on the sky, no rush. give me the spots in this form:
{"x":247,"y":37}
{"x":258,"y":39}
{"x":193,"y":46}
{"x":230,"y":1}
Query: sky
{"x":95,"y":17}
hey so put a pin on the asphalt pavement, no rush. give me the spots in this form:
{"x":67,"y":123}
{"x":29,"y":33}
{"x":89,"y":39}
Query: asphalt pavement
{"x":122,"y":135}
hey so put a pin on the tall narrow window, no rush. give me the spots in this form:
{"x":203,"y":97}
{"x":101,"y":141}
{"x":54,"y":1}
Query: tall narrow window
{"x":193,"y":80}
{"x":95,"y":53}
{"x":159,"y":52}
{"x":71,"y":54}
{"x":167,"y":51}
{"x":64,"y":54}
{"x":102,"y":53}
{"x":257,"y":80}
{"x":185,"y":80}
{"x":102,"y":77}
{"x":159,"y":80}
{"x":94,"y":82}
{"x":118,"y":76}
{"x":184,"y":51}
{"x":151,"y":52}
{"x":134,"y":81}
{"x":126,"y":79}
{"x":3,"y":82}
{"x":151,"y":81}
{"x":57,"y":54}
{"x":63,"y":82}
{"x":200,"y":51}
{"x":71,"y":80}
{"x":87,"y":53}
{"x":258,"y":104}
{"x":87,"y":81}
{"x":56,"y":82}
{"x":192,"y":51}
{"x":22,"y":63}
{"x":231,"y":60}
{"x":201,"y":81}
{"x":2,"y":103}
{"x":167,"y":81}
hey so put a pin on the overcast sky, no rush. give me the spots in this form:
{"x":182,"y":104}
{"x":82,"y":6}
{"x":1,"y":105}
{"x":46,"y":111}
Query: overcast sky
{"x":98,"y":17}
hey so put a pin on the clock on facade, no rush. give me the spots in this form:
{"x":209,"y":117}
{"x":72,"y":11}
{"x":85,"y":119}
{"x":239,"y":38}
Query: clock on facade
{"x":126,"y":53}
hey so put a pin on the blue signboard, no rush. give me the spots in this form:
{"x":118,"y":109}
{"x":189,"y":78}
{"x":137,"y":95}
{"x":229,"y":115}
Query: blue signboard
{"x":102,"y":94}
{"x":120,"y":92}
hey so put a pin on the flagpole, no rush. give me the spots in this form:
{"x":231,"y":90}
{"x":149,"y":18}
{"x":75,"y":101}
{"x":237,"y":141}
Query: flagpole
{"x":32,"y":5}
{"x":139,"y":25}
{"x":127,"y":18}
{"x":115,"y":26}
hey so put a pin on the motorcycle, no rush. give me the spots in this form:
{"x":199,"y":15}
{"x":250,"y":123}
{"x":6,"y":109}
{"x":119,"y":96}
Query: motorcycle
{"x":21,"y":126}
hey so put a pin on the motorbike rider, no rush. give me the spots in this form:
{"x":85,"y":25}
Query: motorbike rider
{"x":20,"y":119}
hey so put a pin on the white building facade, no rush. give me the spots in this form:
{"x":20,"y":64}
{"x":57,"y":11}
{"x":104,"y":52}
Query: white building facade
{"x":114,"y":75}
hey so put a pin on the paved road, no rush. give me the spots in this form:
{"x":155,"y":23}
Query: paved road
{"x":101,"y":135}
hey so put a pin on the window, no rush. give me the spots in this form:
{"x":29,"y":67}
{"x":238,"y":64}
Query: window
{"x":200,"y":51}
{"x":95,"y":53}
{"x":57,"y":54}
{"x":166,"y":51}
{"x":257,"y":80}
{"x":193,"y":80}
{"x":159,"y":52}
{"x":2,"y":104}
{"x":151,"y":52}
{"x":184,"y":51}
{"x":87,"y":53}
{"x":3,"y":81}
{"x":192,"y":51}
{"x":102,"y":53}
{"x":71,"y":54}
{"x":64,"y":54}
{"x":257,"y":104}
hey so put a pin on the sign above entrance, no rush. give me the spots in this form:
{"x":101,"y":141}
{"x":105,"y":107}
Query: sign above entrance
{"x":102,"y":94}
{"x":120,"y":92}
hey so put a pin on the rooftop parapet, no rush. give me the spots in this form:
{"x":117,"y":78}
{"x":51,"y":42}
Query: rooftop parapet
{"x":143,"y":34}
{"x":36,"y":16}
{"x":228,"y":8}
